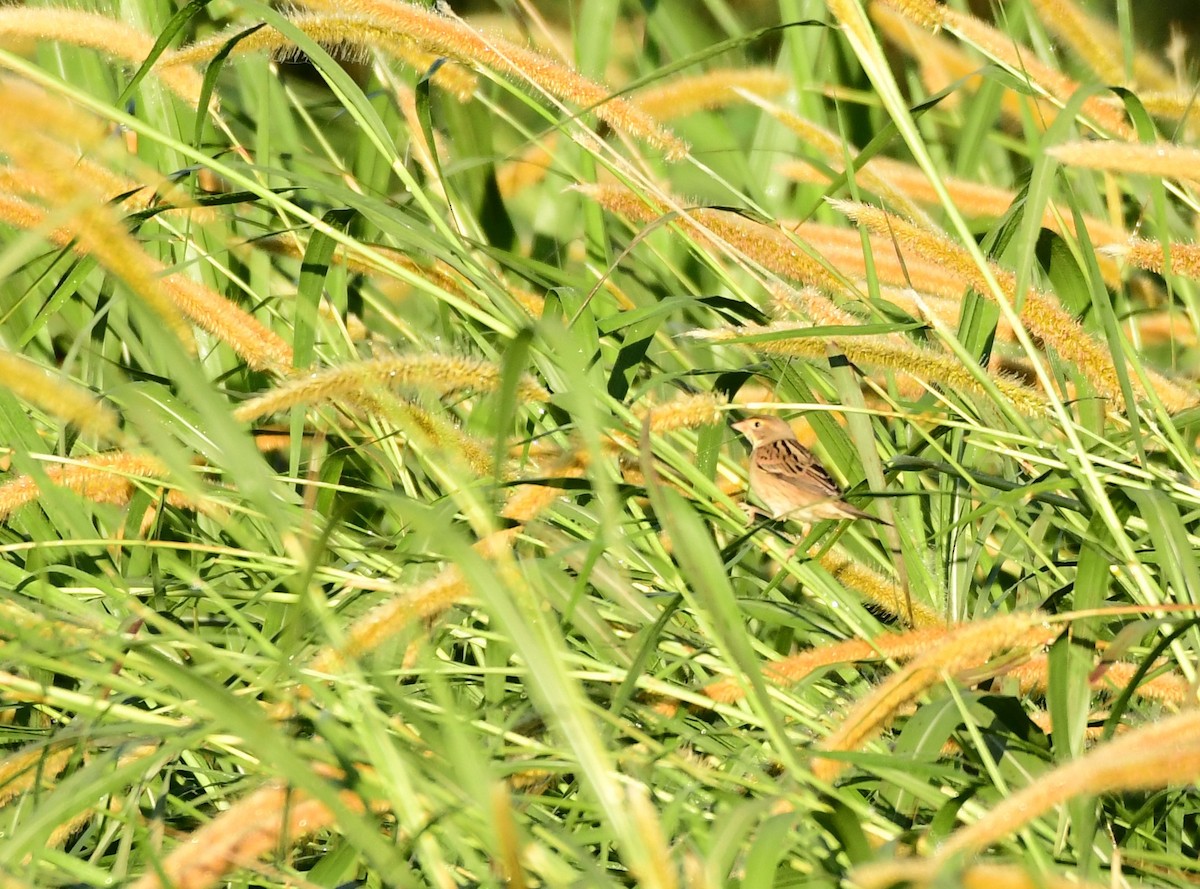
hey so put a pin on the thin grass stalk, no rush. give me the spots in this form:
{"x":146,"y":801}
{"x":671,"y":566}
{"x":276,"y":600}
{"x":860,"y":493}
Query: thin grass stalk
{"x":1023,"y":62}
{"x":422,"y":151}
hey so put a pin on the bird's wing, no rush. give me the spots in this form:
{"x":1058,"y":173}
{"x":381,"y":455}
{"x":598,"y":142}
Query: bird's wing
{"x":790,"y":462}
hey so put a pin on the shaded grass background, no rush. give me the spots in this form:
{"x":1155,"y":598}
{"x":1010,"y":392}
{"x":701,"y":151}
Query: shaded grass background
{"x":549,"y":727}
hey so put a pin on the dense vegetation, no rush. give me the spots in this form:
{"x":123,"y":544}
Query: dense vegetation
{"x":370,"y":509}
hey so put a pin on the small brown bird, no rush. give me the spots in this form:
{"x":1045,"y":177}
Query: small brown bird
{"x":788,"y":479}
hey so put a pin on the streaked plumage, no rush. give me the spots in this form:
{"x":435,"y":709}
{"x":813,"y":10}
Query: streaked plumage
{"x":788,"y":479}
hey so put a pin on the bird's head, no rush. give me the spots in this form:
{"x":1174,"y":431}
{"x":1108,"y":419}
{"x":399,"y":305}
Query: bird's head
{"x":762,"y":430}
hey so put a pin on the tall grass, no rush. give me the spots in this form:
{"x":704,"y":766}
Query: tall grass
{"x":369,"y":509}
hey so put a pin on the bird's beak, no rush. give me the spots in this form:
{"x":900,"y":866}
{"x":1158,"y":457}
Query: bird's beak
{"x":741,"y":426}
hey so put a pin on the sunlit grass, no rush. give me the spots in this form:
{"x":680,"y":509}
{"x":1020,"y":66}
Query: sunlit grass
{"x":369,"y":506}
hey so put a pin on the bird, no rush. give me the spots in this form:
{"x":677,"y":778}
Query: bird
{"x":788,"y":479}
